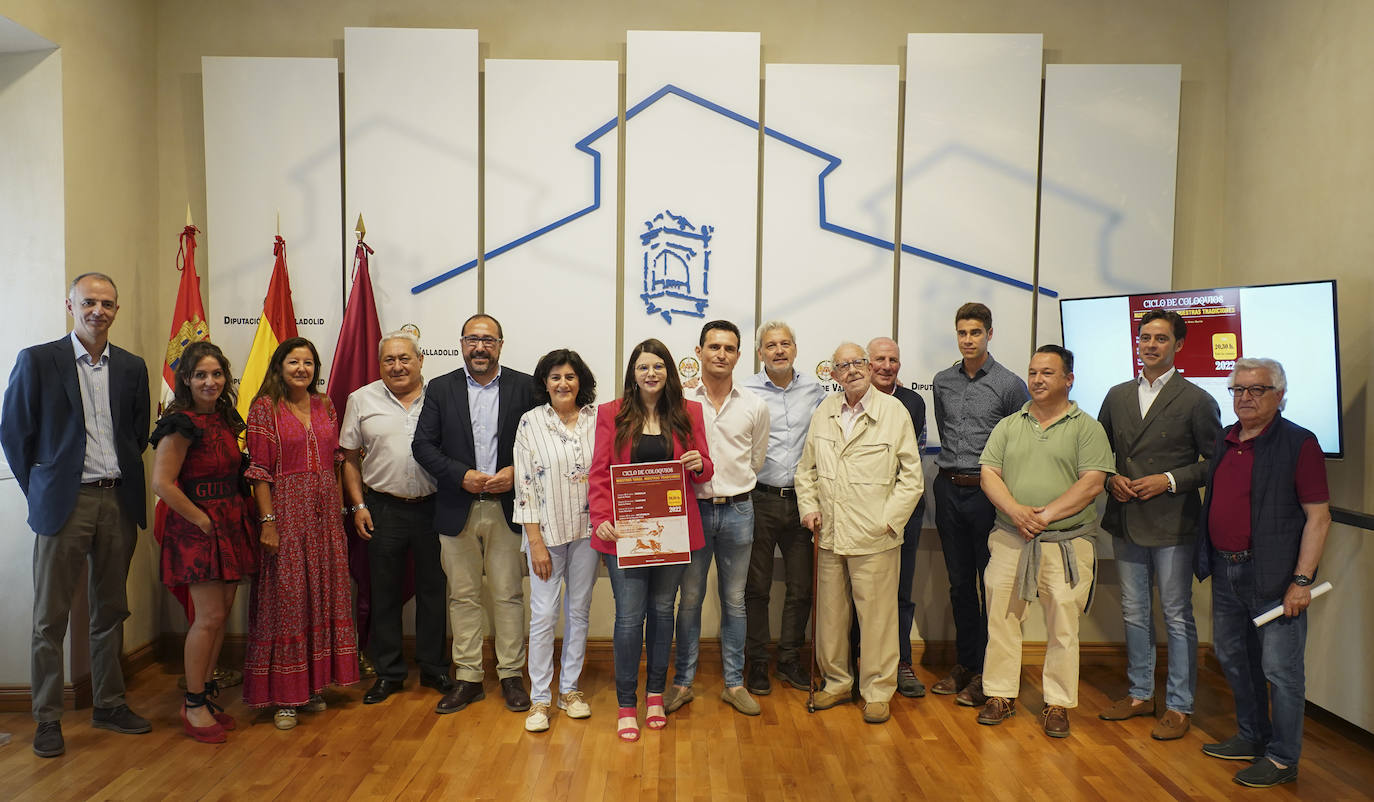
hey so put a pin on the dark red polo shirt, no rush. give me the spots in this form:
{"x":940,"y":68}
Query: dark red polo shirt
{"x":1228,"y":521}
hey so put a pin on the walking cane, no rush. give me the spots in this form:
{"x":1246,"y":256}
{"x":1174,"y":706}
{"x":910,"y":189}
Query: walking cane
{"x":815,"y":589}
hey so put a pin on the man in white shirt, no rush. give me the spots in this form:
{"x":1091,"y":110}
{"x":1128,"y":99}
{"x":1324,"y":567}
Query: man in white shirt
{"x":737,"y":432}
{"x":391,"y":499}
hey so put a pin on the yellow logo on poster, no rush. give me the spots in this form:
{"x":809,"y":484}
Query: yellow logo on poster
{"x":674,"y":498}
{"x":1224,"y":345}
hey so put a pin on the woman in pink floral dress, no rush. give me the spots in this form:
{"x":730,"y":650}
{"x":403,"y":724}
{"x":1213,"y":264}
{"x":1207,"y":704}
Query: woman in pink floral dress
{"x":300,"y":626}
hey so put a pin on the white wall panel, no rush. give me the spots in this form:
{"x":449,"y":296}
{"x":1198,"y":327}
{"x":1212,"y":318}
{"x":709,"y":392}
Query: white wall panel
{"x":551,"y":211}
{"x":1107,"y":191}
{"x":410,"y":106}
{"x":272,"y":145}
{"x":829,"y":204}
{"x":691,"y":184}
{"x":970,"y":146}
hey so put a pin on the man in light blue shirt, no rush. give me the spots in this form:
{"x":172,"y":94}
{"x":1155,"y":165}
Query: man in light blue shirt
{"x":791,"y":397}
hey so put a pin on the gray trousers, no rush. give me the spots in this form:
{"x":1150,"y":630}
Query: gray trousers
{"x":99,"y":535}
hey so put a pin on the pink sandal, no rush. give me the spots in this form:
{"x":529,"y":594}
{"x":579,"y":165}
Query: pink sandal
{"x":628,"y":732}
{"x":655,"y":721}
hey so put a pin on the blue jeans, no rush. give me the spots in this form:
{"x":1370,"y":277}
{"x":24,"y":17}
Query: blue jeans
{"x":1264,"y":666}
{"x":729,"y":532}
{"x":1171,"y":567}
{"x":643,"y":615}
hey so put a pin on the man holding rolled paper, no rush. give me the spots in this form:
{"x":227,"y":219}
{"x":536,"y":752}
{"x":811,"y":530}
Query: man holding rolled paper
{"x":1264,"y":522}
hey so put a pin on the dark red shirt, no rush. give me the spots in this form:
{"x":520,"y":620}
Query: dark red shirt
{"x":1229,"y":518}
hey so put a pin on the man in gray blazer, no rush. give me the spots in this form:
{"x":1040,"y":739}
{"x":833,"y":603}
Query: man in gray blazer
{"x":1161,"y":428}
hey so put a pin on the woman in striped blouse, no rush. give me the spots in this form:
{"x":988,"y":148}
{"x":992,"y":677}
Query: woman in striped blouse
{"x":553,"y":452}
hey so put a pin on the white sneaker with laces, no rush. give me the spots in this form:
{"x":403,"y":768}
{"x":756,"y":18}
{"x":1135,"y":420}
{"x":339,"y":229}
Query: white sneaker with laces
{"x":576,"y":706}
{"x":538,"y":719}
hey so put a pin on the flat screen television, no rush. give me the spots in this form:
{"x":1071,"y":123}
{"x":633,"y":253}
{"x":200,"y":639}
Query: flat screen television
{"x":1292,"y":323}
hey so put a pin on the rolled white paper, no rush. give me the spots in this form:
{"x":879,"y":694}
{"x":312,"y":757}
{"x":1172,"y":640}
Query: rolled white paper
{"x":1269,"y":615}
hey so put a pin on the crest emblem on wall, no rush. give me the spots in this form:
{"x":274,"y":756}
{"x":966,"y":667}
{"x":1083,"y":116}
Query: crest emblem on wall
{"x":676,"y":265}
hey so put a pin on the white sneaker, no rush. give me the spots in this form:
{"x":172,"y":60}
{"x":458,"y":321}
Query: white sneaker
{"x":538,"y":719}
{"x":576,"y":706}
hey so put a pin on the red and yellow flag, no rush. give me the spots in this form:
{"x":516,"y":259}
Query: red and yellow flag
{"x":188,"y":316}
{"x":277,"y":325}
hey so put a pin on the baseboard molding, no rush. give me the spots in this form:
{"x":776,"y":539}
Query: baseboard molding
{"x":78,"y":694}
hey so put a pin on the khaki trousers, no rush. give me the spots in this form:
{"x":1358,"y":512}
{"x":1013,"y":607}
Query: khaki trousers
{"x":99,"y":537}
{"x":870,"y":581}
{"x":486,"y":542}
{"x":1062,"y":605}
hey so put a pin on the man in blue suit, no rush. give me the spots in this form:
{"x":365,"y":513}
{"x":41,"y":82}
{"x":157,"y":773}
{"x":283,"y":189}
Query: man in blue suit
{"x":465,"y":439}
{"x":74,"y":426}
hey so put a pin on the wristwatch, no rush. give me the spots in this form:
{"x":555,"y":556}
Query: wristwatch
{"x":1302,"y":580}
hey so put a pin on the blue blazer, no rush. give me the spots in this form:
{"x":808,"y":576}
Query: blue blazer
{"x":42,"y":429}
{"x":443,"y":441}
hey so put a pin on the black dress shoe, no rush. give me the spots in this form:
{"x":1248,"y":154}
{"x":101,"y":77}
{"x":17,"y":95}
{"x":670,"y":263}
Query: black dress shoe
{"x":47,"y":742}
{"x":381,"y":689}
{"x":119,"y":719}
{"x":442,"y":683}
{"x":795,"y":675}
{"x":460,"y":697}
{"x":517,"y":698}
{"x":756,"y":678}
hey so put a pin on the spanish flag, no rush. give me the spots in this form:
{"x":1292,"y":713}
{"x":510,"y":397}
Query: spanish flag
{"x":276,"y":326}
{"x":188,"y":317}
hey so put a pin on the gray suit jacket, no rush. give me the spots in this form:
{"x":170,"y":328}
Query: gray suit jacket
{"x":1177,"y":435}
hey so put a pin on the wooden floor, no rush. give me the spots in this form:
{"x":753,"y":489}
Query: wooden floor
{"x":400,"y":749}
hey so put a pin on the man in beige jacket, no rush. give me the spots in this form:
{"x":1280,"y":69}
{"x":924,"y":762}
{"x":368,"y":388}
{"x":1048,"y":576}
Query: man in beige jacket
{"x":858,"y":481}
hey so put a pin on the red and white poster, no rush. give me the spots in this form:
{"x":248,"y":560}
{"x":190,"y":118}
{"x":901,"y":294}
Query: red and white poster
{"x":651,"y":514}
{"x":1213,"y":318}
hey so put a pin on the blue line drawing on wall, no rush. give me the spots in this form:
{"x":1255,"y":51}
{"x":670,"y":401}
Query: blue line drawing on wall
{"x":677,"y":266}
{"x":832,"y":163}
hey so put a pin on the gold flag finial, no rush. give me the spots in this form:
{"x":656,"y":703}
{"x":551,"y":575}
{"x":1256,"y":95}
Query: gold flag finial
{"x":279,"y":222}
{"x":189,"y":221}
{"x":360,"y":229}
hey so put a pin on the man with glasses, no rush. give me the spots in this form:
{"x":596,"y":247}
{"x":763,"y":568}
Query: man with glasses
{"x":791,"y":397}
{"x":1042,"y":468}
{"x":391,"y":499}
{"x":465,"y":439}
{"x":1158,"y":425}
{"x":857,"y":483}
{"x":1264,"y":520}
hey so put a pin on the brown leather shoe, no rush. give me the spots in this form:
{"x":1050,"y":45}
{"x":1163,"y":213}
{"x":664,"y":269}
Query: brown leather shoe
{"x":1171,"y":726}
{"x":954,"y":681}
{"x":465,"y":694}
{"x":997,"y":710}
{"x":1123,"y":709}
{"x":972,"y":695}
{"x":1055,"y":720}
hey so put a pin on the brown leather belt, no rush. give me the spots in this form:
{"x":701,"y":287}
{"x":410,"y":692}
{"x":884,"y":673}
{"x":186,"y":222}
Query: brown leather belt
{"x":729,"y":499}
{"x":962,"y":479}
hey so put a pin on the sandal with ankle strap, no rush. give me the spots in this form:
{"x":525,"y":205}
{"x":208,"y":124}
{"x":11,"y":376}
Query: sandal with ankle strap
{"x":627,"y":732}
{"x":213,"y":734}
{"x":211,"y":693}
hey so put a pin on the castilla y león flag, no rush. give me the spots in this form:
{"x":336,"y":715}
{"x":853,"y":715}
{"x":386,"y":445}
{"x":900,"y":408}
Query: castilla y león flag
{"x":277,"y":325}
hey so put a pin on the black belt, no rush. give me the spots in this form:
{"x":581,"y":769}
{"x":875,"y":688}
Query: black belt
{"x":400,"y":499}
{"x":485,"y":497}
{"x":961,"y":479}
{"x":770,"y":490}
{"x":211,"y":489}
{"x":729,"y":499}
{"x":1236,"y":557}
{"x":103,"y":483}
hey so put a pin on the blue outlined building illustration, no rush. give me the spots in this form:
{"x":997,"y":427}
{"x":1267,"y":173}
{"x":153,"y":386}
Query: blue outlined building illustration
{"x":676,"y":266}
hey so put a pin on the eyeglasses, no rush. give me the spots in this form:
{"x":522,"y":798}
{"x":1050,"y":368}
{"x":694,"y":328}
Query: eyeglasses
{"x":843,"y":367}
{"x":658,"y":368}
{"x":1254,"y":390}
{"x":474,"y":341}
{"x":393,"y":360}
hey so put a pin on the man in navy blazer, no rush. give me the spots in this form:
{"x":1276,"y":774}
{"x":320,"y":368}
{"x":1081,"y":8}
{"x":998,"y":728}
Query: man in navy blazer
{"x":465,"y":438}
{"x":74,"y":426}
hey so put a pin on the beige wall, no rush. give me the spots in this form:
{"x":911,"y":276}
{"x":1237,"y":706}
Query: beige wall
{"x":1298,"y":204}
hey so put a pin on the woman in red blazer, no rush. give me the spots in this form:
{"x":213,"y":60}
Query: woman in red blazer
{"x":650,"y":423}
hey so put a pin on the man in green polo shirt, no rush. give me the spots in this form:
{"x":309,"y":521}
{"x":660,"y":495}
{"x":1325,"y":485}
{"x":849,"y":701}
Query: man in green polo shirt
{"x":1042,"y":468}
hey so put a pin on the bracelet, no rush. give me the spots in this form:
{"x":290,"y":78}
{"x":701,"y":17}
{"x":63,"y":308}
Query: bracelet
{"x":268,"y":518}
{"x":356,"y":507}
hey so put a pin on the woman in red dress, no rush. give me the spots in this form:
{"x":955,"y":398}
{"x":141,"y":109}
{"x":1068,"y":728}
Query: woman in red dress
{"x":300,"y":625}
{"x":208,"y":530}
